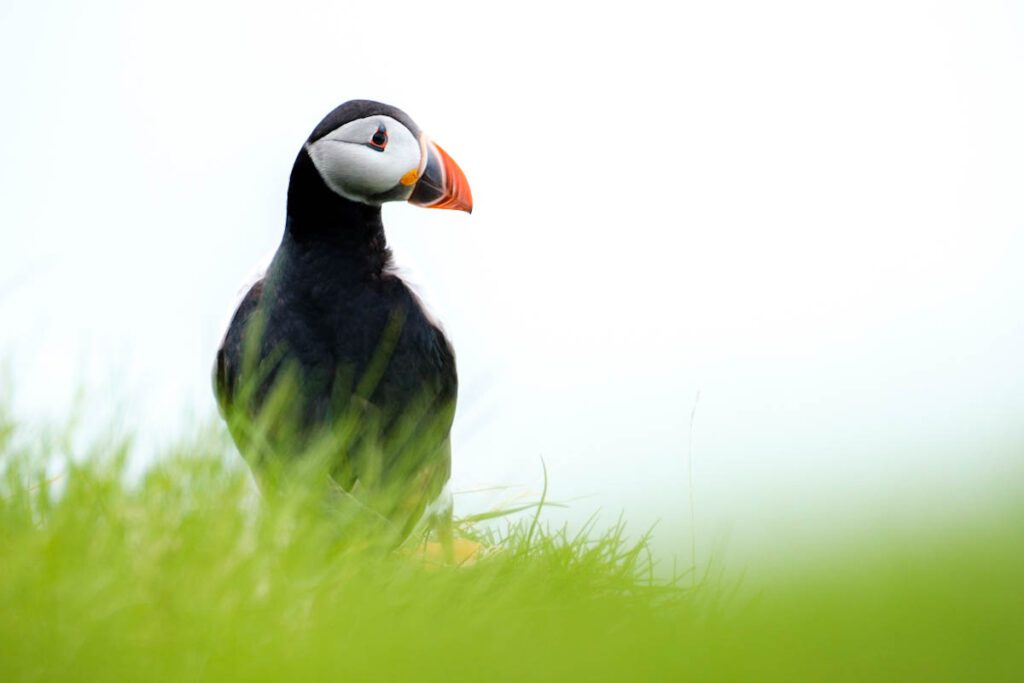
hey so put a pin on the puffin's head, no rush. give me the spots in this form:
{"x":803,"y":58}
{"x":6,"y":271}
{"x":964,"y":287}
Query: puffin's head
{"x":373,"y":153}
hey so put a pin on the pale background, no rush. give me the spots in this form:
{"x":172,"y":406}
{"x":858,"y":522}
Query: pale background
{"x":809,"y":212}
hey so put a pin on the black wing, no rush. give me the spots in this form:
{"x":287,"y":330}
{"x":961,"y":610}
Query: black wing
{"x":228,"y":366}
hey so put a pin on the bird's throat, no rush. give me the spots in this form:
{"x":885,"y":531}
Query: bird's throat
{"x":338,"y":238}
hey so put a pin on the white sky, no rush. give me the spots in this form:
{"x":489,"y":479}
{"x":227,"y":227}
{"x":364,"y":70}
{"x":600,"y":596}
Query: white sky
{"x":811,"y":212}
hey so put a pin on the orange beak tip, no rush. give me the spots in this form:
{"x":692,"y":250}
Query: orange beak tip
{"x":443,"y":184}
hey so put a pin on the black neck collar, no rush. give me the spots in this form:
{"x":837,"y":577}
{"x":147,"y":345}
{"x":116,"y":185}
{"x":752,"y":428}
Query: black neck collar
{"x":346,"y":232}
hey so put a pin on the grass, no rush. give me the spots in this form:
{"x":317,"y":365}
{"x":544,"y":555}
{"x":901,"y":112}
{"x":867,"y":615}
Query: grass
{"x":185,"y":574}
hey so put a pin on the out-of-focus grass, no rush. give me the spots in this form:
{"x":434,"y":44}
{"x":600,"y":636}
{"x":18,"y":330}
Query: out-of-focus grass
{"x":187,"y":575}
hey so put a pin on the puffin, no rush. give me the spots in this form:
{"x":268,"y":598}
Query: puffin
{"x":330,"y":358}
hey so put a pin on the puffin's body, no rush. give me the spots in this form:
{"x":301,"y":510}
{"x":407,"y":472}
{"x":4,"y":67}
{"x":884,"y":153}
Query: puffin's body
{"x":330,"y":351}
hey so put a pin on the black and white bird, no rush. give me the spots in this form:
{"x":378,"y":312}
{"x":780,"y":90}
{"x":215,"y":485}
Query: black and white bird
{"x":329,"y":350}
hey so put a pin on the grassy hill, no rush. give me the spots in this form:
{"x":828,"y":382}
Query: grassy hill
{"x":185,"y":574}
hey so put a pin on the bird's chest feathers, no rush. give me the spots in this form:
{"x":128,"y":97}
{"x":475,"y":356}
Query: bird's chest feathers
{"x":344,"y":325}
{"x":330,"y":324}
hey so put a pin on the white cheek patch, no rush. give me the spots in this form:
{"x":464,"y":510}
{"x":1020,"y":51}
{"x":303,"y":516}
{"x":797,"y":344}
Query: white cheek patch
{"x":355,"y":170}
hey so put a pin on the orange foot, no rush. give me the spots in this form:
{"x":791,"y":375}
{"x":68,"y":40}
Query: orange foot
{"x":464,"y":552}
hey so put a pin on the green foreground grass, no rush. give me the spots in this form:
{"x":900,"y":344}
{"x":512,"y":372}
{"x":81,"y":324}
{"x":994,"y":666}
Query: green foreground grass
{"x":185,"y":574}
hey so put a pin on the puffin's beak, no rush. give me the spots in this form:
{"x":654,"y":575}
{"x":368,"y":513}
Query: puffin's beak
{"x":442,"y":184}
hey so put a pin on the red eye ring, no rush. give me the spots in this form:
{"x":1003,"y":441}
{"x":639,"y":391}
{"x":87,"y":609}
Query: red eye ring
{"x":380,"y":139}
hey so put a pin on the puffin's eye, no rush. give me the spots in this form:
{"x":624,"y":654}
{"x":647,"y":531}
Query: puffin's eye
{"x":380,"y":139}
